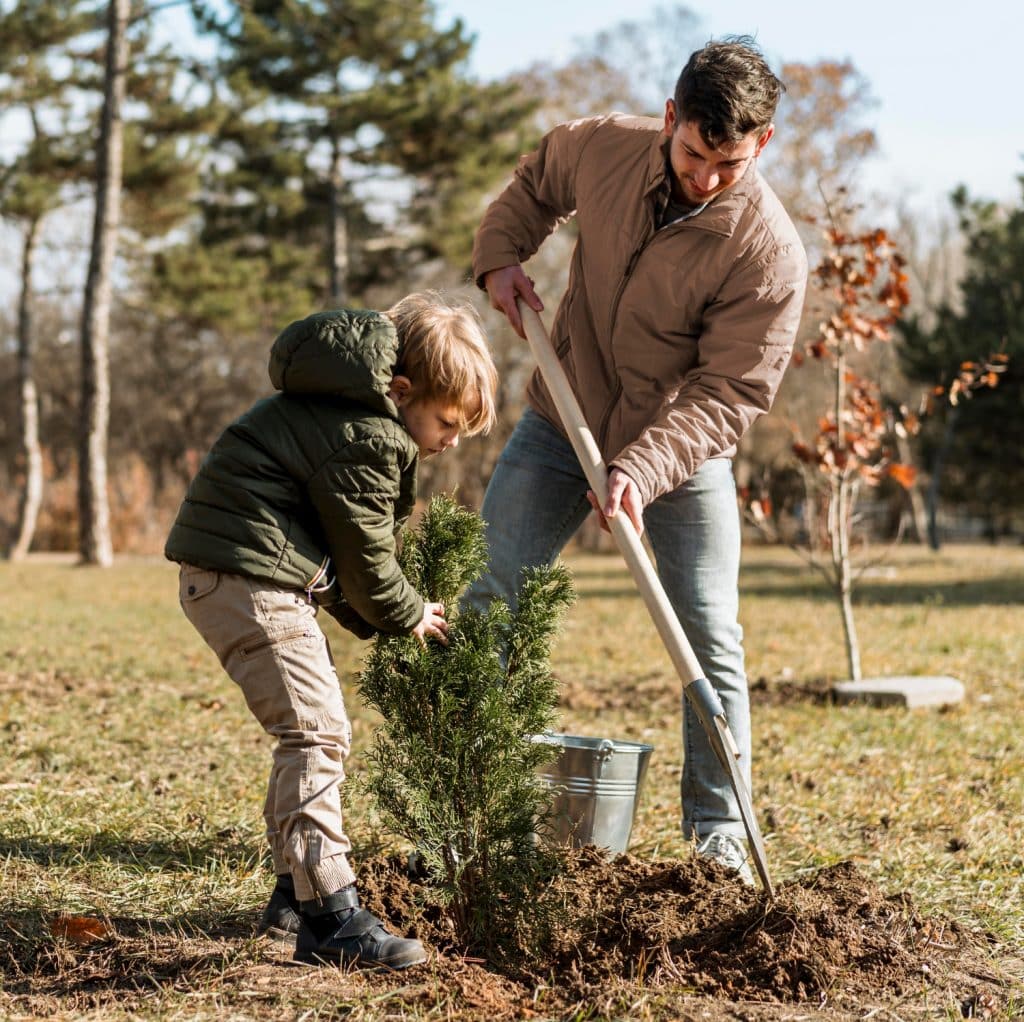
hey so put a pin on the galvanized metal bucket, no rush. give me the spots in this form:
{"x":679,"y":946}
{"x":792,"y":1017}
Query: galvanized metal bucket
{"x":596,"y":786}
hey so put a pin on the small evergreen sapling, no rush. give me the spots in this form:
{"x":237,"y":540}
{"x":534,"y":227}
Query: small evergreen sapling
{"x":452,"y":767}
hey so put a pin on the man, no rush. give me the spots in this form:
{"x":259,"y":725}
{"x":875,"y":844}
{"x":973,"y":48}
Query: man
{"x":684,"y":298}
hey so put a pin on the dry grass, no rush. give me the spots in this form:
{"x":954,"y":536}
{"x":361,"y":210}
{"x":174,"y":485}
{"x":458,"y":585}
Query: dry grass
{"x":131,"y":775}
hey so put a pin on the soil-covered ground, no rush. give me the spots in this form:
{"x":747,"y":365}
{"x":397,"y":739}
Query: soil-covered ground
{"x":687,"y":934}
{"x":132,"y":877}
{"x":635,"y":939}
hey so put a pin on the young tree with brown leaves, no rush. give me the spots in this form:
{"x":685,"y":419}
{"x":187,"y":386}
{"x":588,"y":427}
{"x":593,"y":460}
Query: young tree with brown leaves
{"x":864,"y":283}
{"x":863,"y":275}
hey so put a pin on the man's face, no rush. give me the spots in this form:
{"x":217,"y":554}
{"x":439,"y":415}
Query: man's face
{"x":699,"y":173}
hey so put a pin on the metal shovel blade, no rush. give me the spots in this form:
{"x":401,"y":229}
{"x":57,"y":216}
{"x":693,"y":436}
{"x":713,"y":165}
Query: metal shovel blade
{"x":739,"y":787}
{"x":708,"y":707}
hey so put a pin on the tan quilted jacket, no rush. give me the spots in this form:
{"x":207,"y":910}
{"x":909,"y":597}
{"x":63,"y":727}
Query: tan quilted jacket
{"x":674,"y":340}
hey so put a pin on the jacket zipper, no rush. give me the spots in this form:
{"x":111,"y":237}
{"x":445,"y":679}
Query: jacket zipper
{"x":317,"y":583}
{"x":630,"y":266}
{"x":606,"y":417}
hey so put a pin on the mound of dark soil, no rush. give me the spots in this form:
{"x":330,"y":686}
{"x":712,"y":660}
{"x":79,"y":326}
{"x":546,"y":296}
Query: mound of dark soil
{"x":817,"y":692}
{"x":831,"y":937}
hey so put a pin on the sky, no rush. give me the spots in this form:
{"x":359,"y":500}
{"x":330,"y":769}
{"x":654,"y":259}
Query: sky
{"x":947,"y":77}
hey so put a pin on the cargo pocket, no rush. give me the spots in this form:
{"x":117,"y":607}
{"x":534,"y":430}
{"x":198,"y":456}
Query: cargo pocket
{"x":259,"y":645}
{"x":195,"y":583}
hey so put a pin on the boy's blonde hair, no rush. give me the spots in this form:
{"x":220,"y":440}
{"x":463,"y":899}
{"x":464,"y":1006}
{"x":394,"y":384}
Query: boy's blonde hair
{"x":443,"y":351}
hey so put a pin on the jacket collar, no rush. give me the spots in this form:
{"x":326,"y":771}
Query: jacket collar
{"x":722,"y":214}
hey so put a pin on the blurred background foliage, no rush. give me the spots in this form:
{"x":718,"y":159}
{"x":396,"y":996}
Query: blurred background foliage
{"x":282,"y":157}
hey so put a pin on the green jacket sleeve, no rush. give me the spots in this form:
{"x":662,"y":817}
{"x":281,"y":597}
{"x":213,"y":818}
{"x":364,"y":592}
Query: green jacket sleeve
{"x":335,"y":604}
{"x":355,"y":495}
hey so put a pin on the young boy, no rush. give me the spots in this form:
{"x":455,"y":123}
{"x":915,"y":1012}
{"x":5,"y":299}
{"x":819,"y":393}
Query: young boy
{"x":297,"y":506}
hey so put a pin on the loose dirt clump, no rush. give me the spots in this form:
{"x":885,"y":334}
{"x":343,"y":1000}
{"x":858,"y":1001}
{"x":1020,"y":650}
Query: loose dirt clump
{"x":831,"y":937}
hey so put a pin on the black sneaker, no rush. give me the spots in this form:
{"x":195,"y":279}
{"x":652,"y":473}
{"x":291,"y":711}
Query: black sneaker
{"x":336,"y":930}
{"x":280,"y":920}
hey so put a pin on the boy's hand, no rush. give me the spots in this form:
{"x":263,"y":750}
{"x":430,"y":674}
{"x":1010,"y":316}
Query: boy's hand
{"x":433,"y":624}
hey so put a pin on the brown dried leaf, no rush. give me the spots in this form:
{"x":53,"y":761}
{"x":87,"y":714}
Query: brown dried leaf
{"x":903,"y":474}
{"x":81,"y":929}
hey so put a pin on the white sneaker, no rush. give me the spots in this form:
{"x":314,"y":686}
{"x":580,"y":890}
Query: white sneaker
{"x":730,"y":852}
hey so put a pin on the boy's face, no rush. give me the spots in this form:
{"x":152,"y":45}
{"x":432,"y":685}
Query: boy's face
{"x":433,"y":424}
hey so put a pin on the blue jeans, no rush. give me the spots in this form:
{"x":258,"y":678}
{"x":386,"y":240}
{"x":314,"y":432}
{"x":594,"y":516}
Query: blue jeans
{"x":537,"y":499}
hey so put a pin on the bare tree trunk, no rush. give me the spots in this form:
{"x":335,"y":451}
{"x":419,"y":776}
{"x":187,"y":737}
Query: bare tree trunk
{"x":932,"y":498}
{"x":918,"y":511}
{"x":28,"y":405}
{"x":93,"y":507}
{"x":841,"y":512}
{"x":338,"y":233}
{"x":840,"y":522}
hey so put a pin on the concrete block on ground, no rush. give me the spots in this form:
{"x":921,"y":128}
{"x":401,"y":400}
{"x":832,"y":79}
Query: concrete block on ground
{"x":909,"y":691}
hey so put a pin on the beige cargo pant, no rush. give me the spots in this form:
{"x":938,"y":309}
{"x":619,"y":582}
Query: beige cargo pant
{"x":268,"y":641}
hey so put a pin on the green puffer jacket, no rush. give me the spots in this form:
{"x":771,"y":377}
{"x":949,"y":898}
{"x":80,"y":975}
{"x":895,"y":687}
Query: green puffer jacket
{"x":316,"y":481}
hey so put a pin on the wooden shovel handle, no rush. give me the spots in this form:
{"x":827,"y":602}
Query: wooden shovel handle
{"x":596,"y":471}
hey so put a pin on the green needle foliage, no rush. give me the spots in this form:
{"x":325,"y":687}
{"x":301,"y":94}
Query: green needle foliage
{"x":452,"y":766}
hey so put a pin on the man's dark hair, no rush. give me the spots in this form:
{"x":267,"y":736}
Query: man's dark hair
{"x":728,"y":90}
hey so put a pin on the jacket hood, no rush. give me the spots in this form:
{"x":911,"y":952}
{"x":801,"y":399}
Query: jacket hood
{"x":349,"y":353}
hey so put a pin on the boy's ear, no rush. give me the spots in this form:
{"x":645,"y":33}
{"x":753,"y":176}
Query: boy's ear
{"x":400,"y":390}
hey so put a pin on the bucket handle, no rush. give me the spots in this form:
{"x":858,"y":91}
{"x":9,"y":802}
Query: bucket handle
{"x":603,"y":753}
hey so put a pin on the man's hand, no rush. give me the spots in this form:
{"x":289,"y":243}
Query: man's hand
{"x":504,"y":285}
{"x":622,"y":495}
{"x":433,"y":624}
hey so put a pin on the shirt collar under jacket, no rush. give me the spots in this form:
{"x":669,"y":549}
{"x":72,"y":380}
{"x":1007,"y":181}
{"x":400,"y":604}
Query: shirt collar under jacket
{"x":667,"y":212}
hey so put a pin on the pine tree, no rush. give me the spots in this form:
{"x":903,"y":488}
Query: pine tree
{"x":100,"y":108}
{"x":973,"y":461}
{"x":452,"y":766}
{"x":344,"y":106}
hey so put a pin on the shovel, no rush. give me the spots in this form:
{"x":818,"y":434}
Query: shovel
{"x":698,"y":689}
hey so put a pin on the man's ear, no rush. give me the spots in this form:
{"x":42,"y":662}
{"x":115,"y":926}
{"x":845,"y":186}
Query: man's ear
{"x":670,"y":117}
{"x":400,"y":390}
{"x":764,"y":139}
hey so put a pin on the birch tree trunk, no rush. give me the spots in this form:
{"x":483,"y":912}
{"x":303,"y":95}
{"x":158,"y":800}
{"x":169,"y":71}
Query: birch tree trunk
{"x":31,"y":495}
{"x":93,"y":507}
{"x":337,"y":227}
